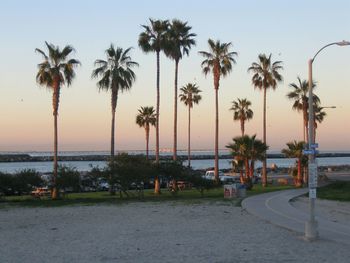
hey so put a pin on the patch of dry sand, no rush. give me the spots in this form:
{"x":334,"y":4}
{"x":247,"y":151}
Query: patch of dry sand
{"x":153,"y":232}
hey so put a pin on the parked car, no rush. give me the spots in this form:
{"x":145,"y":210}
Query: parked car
{"x":41,"y":191}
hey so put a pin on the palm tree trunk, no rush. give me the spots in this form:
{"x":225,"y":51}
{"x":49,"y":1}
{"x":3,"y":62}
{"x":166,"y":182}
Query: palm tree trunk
{"x":114,"y":99}
{"x":216,"y":163}
{"x":299,"y":180}
{"x":55,"y":103}
{"x":264,"y":175}
{"x":157,"y":185}
{"x":189,"y":136}
{"x":147,"y":140}
{"x":175,"y":111}
{"x":242,"y":127}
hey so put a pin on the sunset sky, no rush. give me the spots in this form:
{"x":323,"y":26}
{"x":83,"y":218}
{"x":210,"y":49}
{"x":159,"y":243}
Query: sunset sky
{"x":293,"y":31}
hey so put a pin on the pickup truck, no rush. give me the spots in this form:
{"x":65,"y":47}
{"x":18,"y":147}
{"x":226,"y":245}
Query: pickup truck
{"x":209,"y":175}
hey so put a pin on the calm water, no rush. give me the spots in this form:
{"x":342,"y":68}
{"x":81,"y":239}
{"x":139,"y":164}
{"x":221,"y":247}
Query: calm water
{"x":45,"y":167}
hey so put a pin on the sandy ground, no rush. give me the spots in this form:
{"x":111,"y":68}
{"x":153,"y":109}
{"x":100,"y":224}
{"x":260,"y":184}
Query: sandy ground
{"x":153,"y":232}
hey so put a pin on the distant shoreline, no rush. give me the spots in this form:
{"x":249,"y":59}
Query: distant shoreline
{"x":28,"y":158}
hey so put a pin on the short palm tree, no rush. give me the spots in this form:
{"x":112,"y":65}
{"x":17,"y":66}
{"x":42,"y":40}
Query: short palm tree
{"x":56,"y":70}
{"x":319,"y":117}
{"x":242,"y":112}
{"x":247,"y":149}
{"x":190,"y":96}
{"x":265,"y":75}
{"x":154,"y":39}
{"x":179,"y":43}
{"x":146,"y":118}
{"x":218,"y":61}
{"x":115,"y":75}
{"x":295,"y":150}
{"x":300,"y":97}
{"x":257,"y":152}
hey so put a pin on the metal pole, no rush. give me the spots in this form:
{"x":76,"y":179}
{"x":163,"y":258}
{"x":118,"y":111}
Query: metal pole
{"x":311,"y":232}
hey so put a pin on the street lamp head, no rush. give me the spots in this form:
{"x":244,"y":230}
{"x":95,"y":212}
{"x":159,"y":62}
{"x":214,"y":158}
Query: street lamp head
{"x":343,"y":43}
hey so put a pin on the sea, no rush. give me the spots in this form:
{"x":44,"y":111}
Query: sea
{"x":47,"y":166}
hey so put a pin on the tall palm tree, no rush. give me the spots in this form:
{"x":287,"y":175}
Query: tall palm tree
{"x":265,"y":75}
{"x":190,"y":96}
{"x":218,"y":61}
{"x":56,"y":70}
{"x":154,"y":39}
{"x":179,"y":43}
{"x":295,"y":150}
{"x":115,"y":75}
{"x":146,"y":118}
{"x":300,"y":97}
{"x":242,"y":112}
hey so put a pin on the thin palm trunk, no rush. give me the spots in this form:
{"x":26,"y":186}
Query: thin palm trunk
{"x":242,"y":127}
{"x":216,"y":164}
{"x":264,"y":175}
{"x":175,"y":111}
{"x":246,"y":167}
{"x":55,"y":103}
{"x":299,"y":179}
{"x":157,"y":185}
{"x":114,"y":99}
{"x":147,"y":140}
{"x":189,"y":136}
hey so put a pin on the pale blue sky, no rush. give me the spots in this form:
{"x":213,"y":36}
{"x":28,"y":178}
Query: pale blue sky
{"x":291,"y":30}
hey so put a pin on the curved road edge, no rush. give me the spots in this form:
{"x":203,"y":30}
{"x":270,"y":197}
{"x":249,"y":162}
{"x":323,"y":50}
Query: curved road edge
{"x":276,"y":209}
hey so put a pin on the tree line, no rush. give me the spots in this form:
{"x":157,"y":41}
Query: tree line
{"x":115,"y":74}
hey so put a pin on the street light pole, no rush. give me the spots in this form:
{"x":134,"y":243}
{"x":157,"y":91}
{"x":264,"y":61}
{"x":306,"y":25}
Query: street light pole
{"x":311,"y":232}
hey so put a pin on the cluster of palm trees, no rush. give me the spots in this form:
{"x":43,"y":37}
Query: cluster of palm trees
{"x":115,"y":74}
{"x":299,"y":96}
{"x":245,"y":151}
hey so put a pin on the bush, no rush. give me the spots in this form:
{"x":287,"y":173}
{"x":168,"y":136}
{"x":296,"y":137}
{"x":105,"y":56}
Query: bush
{"x":68,"y":179}
{"x":20,"y":183}
{"x":127,"y":172}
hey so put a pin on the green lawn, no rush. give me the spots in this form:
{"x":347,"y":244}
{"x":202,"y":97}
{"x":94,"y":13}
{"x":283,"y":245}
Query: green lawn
{"x":339,"y":191}
{"x":92,"y":198}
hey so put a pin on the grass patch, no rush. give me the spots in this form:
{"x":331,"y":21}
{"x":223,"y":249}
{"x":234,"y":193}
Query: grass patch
{"x":339,"y":191}
{"x":186,"y":197}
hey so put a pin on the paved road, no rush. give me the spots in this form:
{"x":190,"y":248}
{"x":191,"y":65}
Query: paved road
{"x":276,"y":208}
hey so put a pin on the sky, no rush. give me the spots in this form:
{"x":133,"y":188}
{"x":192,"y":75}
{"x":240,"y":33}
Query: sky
{"x":292,"y":31}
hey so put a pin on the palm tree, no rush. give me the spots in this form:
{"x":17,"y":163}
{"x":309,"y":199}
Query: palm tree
{"x":115,"y":75}
{"x":154,"y":39}
{"x":146,"y":118}
{"x":295,"y":150}
{"x":265,"y":75}
{"x":319,"y":117}
{"x":55,"y":71}
{"x":218,"y":61}
{"x":247,"y":149}
{"x":190,"y":96}
{"x":257,"y":152}
{"x":179,"y":43}
{"x":300,"y":97}
{"x":242,"y":112}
